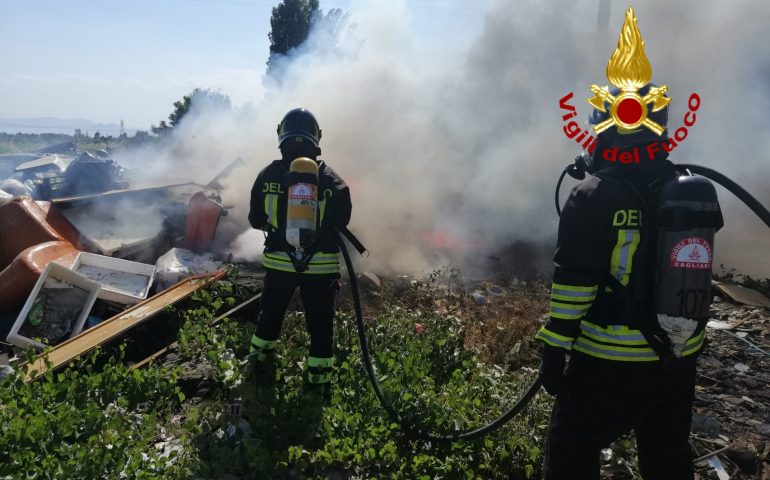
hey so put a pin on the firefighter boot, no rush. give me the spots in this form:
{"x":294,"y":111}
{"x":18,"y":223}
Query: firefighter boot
{"x":262,"y":361}
{"x":319,"y":376}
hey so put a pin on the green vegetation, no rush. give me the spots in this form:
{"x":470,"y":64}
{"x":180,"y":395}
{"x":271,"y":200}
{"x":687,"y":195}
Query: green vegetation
{"x":121,"y":423}
{"x":29,"y":142}
{"x":290,"y":24}
{"x":201,"y":98}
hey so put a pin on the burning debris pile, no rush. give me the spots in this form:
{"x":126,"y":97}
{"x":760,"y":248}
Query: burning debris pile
{"x":86,"y":224}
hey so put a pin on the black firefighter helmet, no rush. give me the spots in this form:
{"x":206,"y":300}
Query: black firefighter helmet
{"x":616,"y":136}
{"x":299,"y":123}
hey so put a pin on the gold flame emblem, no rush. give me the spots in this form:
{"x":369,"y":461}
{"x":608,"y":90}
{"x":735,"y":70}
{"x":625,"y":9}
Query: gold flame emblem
{"x":629,"y":70}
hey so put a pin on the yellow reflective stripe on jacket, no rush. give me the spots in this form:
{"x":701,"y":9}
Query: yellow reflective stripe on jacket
{"x":586,"y":345}
{"x":617,"y":334}
{"x":271,"y":209}
{"x":611,"y":352}
{"x":622,"y":258}
{"x":320,"y":263}
{"x":554,"y":339}
{"x":571,"y":302}
{"x":569,"y":311}
{"x":578,"y":290}
{"x":573,"y":293}
{"x":694,"y":344}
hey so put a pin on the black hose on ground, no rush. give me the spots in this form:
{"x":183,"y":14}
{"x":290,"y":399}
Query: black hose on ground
{"x":409,"y":429}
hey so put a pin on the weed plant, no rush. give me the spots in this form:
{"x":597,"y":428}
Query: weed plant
{"x":122,"y":423}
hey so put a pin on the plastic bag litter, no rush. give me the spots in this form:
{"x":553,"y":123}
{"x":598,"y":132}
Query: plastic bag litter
{"x":179,"y":263}
{"x":5,"y":197}
{"x":16,"y":187}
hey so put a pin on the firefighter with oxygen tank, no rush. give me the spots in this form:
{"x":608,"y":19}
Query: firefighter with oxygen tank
{"x":631,"y":288}
{"x":299,"y":201}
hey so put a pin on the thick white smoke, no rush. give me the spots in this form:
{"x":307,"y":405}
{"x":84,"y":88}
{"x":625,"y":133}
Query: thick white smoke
{"x":452,"y":157}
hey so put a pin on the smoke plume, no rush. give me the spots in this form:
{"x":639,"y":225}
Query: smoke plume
{"x":452,"y":157}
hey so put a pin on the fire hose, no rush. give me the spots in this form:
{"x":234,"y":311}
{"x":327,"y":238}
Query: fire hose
{"x":578,"y":173}
{"x":410,"y":429}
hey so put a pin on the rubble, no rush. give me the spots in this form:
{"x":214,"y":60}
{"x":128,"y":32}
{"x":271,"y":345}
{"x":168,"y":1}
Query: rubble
{"x":478,"y":298}
{"x":733,"y":393}
{"x":369,"y":281}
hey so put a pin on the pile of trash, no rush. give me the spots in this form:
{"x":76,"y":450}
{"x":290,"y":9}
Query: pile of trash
{"x":54,"y":176}
{"x":69,"y":257}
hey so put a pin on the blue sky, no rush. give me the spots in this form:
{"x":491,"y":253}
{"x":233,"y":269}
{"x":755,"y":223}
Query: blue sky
{"x":110,"y":60}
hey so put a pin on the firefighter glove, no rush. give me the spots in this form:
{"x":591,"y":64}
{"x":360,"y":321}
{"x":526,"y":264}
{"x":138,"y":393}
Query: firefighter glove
{"x":552,"y":369}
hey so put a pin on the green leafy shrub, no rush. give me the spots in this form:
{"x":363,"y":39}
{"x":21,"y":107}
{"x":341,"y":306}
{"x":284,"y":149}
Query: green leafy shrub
{"x":104,"y":420}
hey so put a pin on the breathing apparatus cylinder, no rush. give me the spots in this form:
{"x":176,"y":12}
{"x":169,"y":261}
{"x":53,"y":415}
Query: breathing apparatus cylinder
{"x":687,"y":218}
{"x":302,"y":205}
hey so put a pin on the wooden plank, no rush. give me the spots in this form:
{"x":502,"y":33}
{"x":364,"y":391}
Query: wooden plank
{"x":119,"y":324}
{"x":62,"y":202}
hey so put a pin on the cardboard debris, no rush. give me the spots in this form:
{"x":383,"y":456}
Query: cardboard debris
{"x":743,"y":295}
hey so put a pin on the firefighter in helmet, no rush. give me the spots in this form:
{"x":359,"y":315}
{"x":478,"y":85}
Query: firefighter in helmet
{"x":631,"y":362}
{"x":316,"y":271}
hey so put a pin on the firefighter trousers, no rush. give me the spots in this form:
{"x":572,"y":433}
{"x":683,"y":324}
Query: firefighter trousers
{"x":603,"y":400}
{"x":318,"y":294}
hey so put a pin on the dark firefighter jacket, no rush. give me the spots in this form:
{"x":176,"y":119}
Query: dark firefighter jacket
{"x":268,"y":212}
{"x":599,"y":235}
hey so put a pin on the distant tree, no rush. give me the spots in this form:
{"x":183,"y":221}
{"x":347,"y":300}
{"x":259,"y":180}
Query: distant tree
{"x":290,"y":24}
{"x":289,"y":27}
{"x":201,"y":98}
{"x":161,"y":129}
